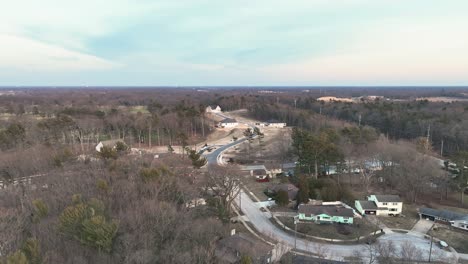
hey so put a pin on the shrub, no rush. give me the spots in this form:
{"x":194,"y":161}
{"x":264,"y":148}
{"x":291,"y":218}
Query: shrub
{"x":40,"y":208}
{"x":86,"y":223}
{"x":282,"y":198}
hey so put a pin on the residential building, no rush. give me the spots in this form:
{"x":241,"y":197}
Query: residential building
{"x":275,"y":123}
{"x":213,"y":109}
{"x":325,"y":214}
{"x":228,"y":122}
{"x":287,"y":187}
{"x":108,"y":143}
{"x":260,"y":172}
{"x":271,"y":123}
{"x":232,"y":249}
{"x":454,"y":219}
{"x":384,"y":205}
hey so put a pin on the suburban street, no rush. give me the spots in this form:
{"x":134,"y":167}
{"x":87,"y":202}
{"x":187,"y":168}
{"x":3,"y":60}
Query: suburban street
{"x":261,"y":221}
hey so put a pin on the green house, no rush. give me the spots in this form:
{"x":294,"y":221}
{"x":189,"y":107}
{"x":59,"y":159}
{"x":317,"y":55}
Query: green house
{"x":325,"y":214}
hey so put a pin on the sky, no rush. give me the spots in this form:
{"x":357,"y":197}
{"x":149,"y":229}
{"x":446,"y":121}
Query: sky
{"x":210,"y":43}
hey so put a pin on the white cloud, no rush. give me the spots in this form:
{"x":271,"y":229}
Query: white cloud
{"x":396,"y":53}
{"x":30,"y":55}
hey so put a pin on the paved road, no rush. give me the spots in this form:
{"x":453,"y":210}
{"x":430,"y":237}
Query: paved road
{"x":261,"y":221}
{"x":422,"y":226}
{"x":212,"y":157}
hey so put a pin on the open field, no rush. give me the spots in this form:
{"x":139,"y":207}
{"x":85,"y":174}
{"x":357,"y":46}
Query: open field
{"x":332,"y":231}
{"x":443,"y":99}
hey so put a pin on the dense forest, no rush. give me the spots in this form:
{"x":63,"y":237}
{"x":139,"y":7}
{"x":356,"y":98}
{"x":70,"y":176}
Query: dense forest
{"x":63,"y":202}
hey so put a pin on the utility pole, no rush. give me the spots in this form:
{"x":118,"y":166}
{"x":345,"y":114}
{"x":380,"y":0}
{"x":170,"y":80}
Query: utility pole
{"x":240,"y":200}
{"x":442,"y":148}
{"x":432,"y":239}
{"x":295,"y":233}
{"x":360,"y":120}
{"x":295,"y":102}
{"x":428,"y":135}
{"x":430,"y":249}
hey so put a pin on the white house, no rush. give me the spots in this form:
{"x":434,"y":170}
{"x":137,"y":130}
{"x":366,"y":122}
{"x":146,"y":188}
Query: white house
{"x":228,"y":122}
{"x":271,"y":123}
{"x":107,"y":143}
{"x":277,"y":124}
{"x":386,"y":205}
{"x":213,"y":109}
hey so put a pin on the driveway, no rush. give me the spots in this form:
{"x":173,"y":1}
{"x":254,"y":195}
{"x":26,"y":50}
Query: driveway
{"x":422,"y":226}
{"x":261,"y":222}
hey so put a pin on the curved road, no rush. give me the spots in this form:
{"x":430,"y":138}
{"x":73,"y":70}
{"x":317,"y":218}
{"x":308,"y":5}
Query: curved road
{"x":261,"y":221}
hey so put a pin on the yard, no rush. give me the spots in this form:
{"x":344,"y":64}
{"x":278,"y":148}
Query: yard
{"x":332,"y":231}
{"x":406,"y":221}
{"x":458,"y":239}
{"x":258,"y":188}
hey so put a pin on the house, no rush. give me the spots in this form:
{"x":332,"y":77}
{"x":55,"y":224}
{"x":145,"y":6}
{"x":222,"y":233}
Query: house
{"x":228,"y":122}
{"x":287,"y":187}
{"x":213,"y":109}
{"x":271,"y":123}
{"x":108,"y":143}
{"x":325,"y":214}
{"x":232,"y":249}
{"x":259,"y":171}
{"x":387,"y":205}
{"x":454,"y":219}
{"x":275,"y":123}
{"x":195,"y":202}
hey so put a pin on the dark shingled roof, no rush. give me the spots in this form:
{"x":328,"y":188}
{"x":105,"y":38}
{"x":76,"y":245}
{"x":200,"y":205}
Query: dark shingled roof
{"x":442,"y":214}
{"x":325,"y":209}
{"x":368,"y":205}
{"x":388,"y":198}
{"x":287,"y":187}
{"x":229,"y":120}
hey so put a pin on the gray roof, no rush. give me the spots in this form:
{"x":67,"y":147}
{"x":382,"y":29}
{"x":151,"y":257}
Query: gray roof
{"x":388,"y":198}
{"x":325,"y":209}
{"x":449,"y":215}
{"x":368,"y":205}
{"x":111,"y":142}
{"x":287,"y":187}
{"x":253,"y":167}
{"x":229,"y":120}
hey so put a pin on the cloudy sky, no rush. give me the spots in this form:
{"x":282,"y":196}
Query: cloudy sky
{"x":262,"y":42}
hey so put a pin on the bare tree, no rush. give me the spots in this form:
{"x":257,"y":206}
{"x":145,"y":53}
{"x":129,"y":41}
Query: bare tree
{"x":224,"y":183}
{"x":410,"y":253}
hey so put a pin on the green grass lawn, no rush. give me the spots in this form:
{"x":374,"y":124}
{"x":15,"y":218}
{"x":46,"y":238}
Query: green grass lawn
{"x":458,"y":239}
{"x":333,"y":231}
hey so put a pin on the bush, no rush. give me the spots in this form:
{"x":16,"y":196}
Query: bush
{"x":86,"y":223}
{"x":108,"y":153}
{"x":121,"y":147}
{"x":40,"y":208}
{"x":282,"y":198}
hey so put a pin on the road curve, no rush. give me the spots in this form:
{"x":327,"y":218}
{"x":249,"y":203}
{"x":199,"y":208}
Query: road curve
{"x":261,"y":221}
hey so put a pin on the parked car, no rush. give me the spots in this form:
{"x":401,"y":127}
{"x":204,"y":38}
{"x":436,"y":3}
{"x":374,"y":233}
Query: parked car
{"x":443,"y":244}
